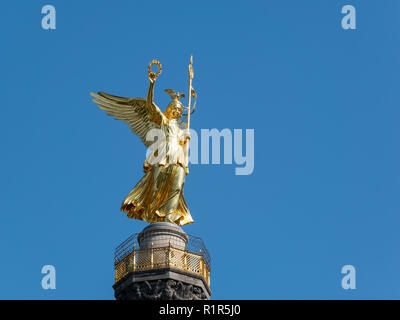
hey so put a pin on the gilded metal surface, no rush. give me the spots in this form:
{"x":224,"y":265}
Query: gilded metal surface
{"x":194,"y":245}
{"x":164,"y":257}
{"x":158,"y":196}
{"x":191,"y":75}
{"x":151,"y":73}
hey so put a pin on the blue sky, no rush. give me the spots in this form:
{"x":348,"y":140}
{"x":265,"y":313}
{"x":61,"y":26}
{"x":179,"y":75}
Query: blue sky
{"x":324,"y":104}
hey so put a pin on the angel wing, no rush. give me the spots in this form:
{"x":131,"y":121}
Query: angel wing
{"x":133,"y":111}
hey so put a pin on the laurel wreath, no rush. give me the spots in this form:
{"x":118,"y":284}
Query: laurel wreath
{"x":151,"y":73}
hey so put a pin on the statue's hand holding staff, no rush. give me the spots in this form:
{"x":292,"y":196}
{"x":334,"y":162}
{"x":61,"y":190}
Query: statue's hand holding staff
{"x":186,"y":135}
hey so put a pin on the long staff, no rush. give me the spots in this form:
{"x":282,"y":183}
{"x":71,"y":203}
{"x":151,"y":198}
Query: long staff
{"x":191,"y":75}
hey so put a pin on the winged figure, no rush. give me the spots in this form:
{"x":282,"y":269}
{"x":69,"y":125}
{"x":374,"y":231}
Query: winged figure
{"x":158,"y":196}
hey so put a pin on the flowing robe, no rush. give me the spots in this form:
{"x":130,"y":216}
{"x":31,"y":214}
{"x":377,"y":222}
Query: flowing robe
{"x":158,"y":196}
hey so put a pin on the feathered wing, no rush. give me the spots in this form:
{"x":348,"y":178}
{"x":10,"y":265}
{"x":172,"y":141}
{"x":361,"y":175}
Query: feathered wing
{"x":132,"y":111}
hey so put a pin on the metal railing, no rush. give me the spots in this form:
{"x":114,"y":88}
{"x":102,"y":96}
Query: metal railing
{"x":161,"y":257}
{"x":194,"y":245}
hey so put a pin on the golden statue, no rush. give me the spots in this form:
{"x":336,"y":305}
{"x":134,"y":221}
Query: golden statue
{"x":158,"y":196}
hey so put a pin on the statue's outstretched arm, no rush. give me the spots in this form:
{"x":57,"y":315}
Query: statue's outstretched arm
{"x":150,"y":93}
{"x":154,"y":111}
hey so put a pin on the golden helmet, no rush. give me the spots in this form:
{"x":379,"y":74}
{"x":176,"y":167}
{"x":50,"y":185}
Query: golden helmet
{"x":175,"y":103}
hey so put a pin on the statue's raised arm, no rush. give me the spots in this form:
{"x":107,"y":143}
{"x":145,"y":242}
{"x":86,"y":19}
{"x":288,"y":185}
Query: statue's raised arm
{"x":155,"y":113}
